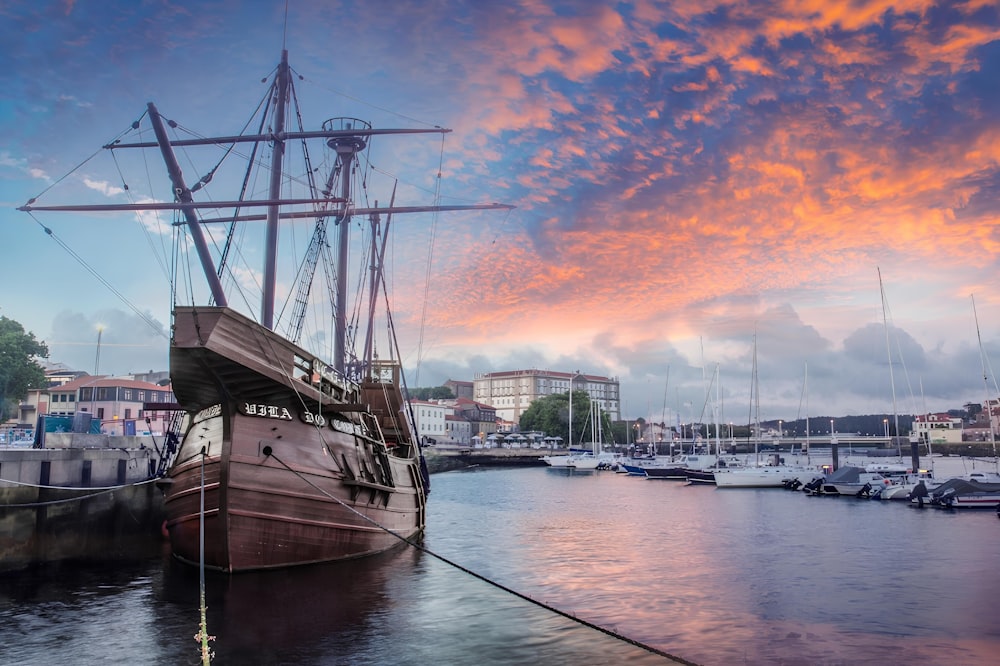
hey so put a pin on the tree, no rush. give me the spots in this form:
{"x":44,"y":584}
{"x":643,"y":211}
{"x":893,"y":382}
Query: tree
{"x":551,"y":415}
{"x":19,"y":371}
{"x":627,"y":432}
{"x":432,"y":393}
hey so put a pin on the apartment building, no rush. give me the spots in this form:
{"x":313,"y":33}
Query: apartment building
{"x":513,"y":391}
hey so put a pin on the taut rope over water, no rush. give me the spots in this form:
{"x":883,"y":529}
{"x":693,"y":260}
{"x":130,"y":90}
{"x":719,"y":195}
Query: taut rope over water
{"x":604,"y":630}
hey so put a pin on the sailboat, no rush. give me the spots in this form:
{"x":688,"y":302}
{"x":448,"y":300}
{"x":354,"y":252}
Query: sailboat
{"x":286,"y":457}
{"x":597,"y":457}
{"x":976,"y":489}
{"x":771,"y":475}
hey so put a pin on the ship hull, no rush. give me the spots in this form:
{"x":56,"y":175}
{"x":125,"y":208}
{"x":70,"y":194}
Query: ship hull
{"x":282,"y":469}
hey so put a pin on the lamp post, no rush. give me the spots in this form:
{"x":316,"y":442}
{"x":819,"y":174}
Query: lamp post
{"x":97,"y":361}
{"x":97,"y":367}
{"x":780,"y":429}
{"x":885,"y":426}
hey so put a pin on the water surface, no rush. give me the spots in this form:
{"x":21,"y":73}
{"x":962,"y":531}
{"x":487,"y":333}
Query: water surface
{"x":713,"y":576}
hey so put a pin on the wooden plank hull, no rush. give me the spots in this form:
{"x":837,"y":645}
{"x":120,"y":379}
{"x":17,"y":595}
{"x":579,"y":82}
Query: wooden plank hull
{"x":294,"y":472}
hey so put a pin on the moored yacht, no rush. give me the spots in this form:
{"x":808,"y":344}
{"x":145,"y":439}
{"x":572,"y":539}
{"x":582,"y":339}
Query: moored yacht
{"x":676,"y":469}
{"x":706,"y":475}
{"x":765,"y":476}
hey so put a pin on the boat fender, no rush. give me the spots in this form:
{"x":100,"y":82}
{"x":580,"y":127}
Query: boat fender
{"x":164,"y":530}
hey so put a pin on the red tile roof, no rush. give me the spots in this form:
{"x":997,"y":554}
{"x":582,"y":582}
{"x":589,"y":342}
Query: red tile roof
{"x":105,"y":381}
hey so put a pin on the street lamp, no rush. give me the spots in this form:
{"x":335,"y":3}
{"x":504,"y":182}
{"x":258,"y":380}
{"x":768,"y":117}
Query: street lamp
{"x":97,"y":361}
{"x":885,"y":425}
{"x":780,"y":429}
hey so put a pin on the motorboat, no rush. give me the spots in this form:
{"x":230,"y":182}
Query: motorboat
{"x":958,"y":494}
{"x":850,"y":480}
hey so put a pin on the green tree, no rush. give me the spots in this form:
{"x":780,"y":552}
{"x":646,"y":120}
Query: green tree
{"x":551,"y":416}
{"x":627,"y":432}
{"x":432,"y":393}
{"x":19,"y":370}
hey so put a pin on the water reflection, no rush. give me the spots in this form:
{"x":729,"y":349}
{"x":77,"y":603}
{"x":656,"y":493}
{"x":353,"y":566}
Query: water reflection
{"x":717,"y":577}
{"x":756,"y":576}
{"x":291,"y":615}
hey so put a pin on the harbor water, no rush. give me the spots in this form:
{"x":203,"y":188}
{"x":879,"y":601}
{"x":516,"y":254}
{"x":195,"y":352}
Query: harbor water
{"x":712,"y":576}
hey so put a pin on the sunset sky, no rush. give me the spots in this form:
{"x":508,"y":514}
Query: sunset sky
{"x":686,"y":175}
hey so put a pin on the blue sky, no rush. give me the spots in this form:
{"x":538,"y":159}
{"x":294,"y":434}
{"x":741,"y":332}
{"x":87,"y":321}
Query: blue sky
{"x":686,"y":175}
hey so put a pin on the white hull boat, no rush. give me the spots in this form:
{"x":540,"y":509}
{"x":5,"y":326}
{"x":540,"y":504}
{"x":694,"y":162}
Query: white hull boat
{"x":767,"y":476}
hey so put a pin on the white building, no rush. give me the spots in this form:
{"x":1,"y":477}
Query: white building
{"x":430,"y":420}
{"x":459,"y":429}
{"x":511,"y":392}
{"x":938,"y":428}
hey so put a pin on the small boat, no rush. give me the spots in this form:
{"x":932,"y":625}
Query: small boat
{"x":675,"y":470}
{"x":287,"y":456}
{"x":562,"y":459}
{"x":905,"y":484}
{"x":557,"y":461}
{"x":582,"y":460}
{"x":707,"y":475}
{"x":640,"y":465}
{"x":590,"y":461}
{"x":959,"y":494}
{"x":856,"y":481}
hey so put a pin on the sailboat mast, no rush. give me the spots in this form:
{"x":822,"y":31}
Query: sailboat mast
{"x":756,"y":405}
{"x":888,"y":349}
{"x":715,"y":409}
{"x":986,"y":381}
{"x":277,"y":157}
{"x":569,"y":445}
{"x":805,"y":388}
{"x":183,"y":195}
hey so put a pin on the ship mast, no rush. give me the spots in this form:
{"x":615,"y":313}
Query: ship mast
{"x":277,"y":156}
{"x":346,"y":148}
{"x":347,"y":137}
{"x":183,"y":195}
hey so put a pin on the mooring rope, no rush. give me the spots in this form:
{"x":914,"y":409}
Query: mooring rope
{"x":99,"y":491}
{"x":541,"y":604}
{"x":202,"y":636}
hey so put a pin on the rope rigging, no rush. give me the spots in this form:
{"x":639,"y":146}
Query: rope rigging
{"x":429,"y":266}
{"x":149,"y":321}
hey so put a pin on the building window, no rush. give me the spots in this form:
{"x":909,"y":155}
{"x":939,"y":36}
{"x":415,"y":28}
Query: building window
{"x":100,"y":412}
{"x":128,"y":413}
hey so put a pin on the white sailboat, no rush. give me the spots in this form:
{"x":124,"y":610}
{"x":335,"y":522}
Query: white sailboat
{"x":597,"y":458}
{"x":773,"y":475}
